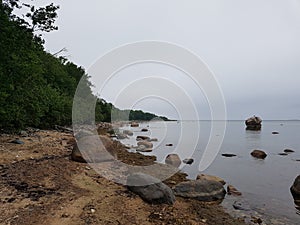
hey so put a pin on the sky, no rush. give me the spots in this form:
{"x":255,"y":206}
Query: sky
{"x":252,"y":48}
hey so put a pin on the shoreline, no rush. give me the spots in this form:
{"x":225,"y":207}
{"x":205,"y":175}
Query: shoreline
{"x":41,"y":185}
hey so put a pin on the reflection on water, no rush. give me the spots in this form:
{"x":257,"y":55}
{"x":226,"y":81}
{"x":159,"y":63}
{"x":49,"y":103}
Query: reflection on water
{"x":265,"y":183}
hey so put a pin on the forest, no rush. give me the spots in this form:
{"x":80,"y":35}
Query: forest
{"x":37,"y":87}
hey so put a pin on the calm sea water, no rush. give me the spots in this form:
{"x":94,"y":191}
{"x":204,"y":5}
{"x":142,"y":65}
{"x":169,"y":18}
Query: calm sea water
{"x":265,"y":183}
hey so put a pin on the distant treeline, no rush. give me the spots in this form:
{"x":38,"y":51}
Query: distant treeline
{"x":36,"y":87}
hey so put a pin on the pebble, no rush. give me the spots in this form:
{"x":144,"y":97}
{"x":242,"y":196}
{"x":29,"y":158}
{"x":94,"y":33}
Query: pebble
{"x":93,"y":210}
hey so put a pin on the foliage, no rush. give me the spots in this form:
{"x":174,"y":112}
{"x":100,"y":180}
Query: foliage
{"x":37,"y":88}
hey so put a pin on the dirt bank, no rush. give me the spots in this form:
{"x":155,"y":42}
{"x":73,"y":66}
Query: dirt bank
{"x":40,"y":185}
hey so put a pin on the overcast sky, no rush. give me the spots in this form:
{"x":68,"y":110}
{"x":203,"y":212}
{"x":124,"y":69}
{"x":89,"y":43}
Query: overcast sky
{"x":252,"y":47}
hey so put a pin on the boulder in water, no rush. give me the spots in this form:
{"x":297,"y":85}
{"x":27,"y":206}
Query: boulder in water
{"x":173,"y":160}
{"x":253,"y":123}
{"x":259,"y":154}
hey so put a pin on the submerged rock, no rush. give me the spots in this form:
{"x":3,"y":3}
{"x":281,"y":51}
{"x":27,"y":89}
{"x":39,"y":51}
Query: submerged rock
{"x":210,"y":177}
{"x":283,"y":154}
{"x":288,"y":150}
{"x":150,"y":189}
{"x":241,"y":205}
{"x":259,"y":154}
{"x":188,"y":161}
{"x":202,"y":190}
{"x":173,"y":160}
{"x":142,"y":138}
{"x":253,"y":123}
{"x":228,"y":155}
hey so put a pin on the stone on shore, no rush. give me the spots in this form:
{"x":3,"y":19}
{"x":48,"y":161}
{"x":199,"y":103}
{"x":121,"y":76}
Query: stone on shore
{"x":173,"y":160}
{"x":17,"y":141}
{"x":150,"y":189}
{"x":228,"y":155}
{"x":202,"y":190}
{"x":288,"y":150}
{"x":144,"y":130}
{"x":259,"y":154}
{"x":210,"y":177}
{"x":93,"y":149}
{"x":253,"y":123}
{"x":231,"y":190}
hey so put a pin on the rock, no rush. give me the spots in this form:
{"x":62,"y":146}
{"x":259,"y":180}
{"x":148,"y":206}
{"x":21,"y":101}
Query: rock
{"x":143,"y":148}
{"x":121,"y":136}
{"x":228,"y":155}
{"x":153,"y":139}
{"x":241,"y":205}
{"x":91,"y":149}
{"x":169,"y":144}
{"x":275,"y":132}
{"x":231,"y":190}
{"x":288,"y":150}
{"x":145,"y":138}
{"x":144,"y":130}
{"x":210,"y":177}
{"x":23,"y":133}
{"x":147,"y":144}
{"x":173,"y":160}
{"x":83,"y":133}
{"x":203,"y":190}
{"x":150,"y":189}
{"x":128,"y":132}
{"x":259,"y":154}
{"x":188,"y":161}
{"x":283,"y":154}
{"x":134,"y":124}
{"x":295,"y":189}
{"x":253,"y":123}
{"x":17,"y":141}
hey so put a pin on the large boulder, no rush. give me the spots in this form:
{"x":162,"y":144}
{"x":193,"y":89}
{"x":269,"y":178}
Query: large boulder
{"x":203,"y":190}
{"x":93,"y":149}
{"x":210,"y":177}
{"x":150,"y":189}
{"x":173,"y":160}
{"x":253,"y":123}
{"x":259,"y":154}
{"x":295,"y":190}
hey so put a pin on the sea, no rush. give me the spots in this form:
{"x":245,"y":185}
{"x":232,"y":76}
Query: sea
{"x":265,"y":184}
